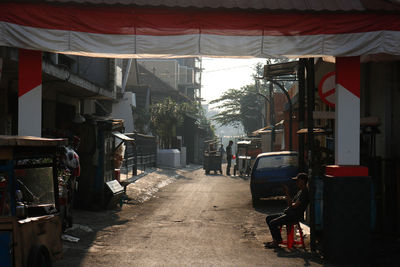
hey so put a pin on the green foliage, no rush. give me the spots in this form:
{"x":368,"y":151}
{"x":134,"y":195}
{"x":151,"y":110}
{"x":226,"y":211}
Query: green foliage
{"x":240,"y":107}
{"x":245,"y":106}
{"x":166,"y":116}
{"x":206,"y":125}
{"x":229,"y":104}
{"x":142,"y":118}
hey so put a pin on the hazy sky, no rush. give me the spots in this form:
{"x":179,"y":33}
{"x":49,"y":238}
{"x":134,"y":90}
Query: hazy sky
{"x":221,"y":74}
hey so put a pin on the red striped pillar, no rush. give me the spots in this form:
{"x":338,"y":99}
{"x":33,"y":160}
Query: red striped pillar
{"x":347,"y":119}
{"x":29,"y":92}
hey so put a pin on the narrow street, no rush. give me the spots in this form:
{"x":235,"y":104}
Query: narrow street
{"x":196,"y":220}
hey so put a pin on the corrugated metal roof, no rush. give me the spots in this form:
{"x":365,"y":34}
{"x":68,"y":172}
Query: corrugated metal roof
{"x":274,"y":5}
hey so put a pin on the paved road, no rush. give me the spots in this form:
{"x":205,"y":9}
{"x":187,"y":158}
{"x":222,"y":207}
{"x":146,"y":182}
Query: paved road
{"x":196,"y":220}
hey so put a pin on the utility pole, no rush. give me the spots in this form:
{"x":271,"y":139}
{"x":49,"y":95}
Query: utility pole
{"x":310,"y":142}
{"x":290,"y":109}
{"x":271,"y":114}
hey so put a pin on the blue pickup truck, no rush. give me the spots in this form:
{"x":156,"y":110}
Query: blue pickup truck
{"x":270,"y":172}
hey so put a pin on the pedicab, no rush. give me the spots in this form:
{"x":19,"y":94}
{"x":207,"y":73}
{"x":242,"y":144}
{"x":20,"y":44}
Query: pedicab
{"x":30,"y":222}
{"x":212,"y":158}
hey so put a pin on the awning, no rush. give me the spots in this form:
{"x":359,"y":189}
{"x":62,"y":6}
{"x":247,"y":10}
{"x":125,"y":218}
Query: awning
{"x":244,"y":142}
{"x":315,"y":131}
{"x":268,"y":129}
{"x":298,"y":5}
{"x":136,"y":31}
{"x":122,"y":136}
{"x":14,"y":140}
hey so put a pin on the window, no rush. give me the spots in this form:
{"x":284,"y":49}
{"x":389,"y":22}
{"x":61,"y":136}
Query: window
{"x":36,"y":185}
{"x":277,"y":161}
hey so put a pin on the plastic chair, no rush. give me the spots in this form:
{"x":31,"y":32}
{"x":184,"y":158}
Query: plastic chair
{"x":291,"y":239}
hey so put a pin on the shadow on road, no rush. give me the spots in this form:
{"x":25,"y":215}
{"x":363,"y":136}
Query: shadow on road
{"x":308,"y":256}
{"x":276,"y":205}
{"x":271,"y":205}
{"x":104,"y":222}
{"x":173,"y":173}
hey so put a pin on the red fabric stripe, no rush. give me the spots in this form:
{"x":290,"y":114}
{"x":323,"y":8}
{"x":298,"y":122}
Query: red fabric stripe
{"x":159,"y":22}
{"x":348,"y":73}
{"x":29,"y":70}
{"x":343,"y":171}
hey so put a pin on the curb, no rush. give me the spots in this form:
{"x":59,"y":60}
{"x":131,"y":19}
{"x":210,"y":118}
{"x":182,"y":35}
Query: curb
{"x":137,"y":177}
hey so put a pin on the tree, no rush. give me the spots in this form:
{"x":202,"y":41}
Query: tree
{"x":166,"y":116}
{"x":245,"y":106}
{"x":241,"y":106}
{"x":142,"y":118}
{"x":205,"y":123}
{"x":229,"y":106}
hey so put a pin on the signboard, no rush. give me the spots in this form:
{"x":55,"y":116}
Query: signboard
{"x":327,"y":88}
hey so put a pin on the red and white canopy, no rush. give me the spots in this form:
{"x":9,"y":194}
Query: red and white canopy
{"x":134,"y":31}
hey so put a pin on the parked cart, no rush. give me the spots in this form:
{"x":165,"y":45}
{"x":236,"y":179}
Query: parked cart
{"x":30,"y":224}
{"x":247,"y":151}
{"x":212,"y":157}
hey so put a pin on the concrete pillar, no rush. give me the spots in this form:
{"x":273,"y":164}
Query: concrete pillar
{"x":347,"y":186}
{"x":29,"y":92}
{"x":347,"y":111}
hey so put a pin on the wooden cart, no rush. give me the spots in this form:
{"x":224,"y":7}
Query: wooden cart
{"x":30,"y":224}
{"x":212,"y":158}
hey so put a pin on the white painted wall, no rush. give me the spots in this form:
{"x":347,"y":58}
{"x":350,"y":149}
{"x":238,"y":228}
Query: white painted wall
{"x":123,"y":110}
{"x":347,"y":127}
{"x":30,"y":113}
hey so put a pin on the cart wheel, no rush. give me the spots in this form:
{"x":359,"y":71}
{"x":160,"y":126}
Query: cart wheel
{"x":39,"y":257}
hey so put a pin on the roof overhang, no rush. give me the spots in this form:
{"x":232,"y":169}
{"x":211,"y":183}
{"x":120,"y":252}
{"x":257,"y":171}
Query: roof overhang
{"x":13,"y":140}
{"x":123,"y":137}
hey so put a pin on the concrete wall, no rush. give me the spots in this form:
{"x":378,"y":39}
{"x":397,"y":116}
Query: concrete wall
{"x":182,"y":74}
{"x":190,"y":76}
{"x":123,"y":110}
{"x":133,"y":75}
{"x":380,"y":94}
{"x":95,"y":70}
{"x":166,"y":70}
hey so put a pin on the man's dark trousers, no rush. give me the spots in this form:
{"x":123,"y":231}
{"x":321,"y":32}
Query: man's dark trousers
{"x":228,"y":167}
{"x":274,"y":221}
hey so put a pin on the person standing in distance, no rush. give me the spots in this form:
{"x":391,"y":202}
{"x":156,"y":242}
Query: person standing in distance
{"x":229,"y":157}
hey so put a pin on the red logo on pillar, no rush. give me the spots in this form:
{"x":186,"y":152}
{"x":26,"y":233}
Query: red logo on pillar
{"x":348,"y":74}
{"x":29,"y":70}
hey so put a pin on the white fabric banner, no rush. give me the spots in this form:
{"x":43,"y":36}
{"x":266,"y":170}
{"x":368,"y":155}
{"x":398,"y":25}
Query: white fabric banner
{"x":140,"y":46}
